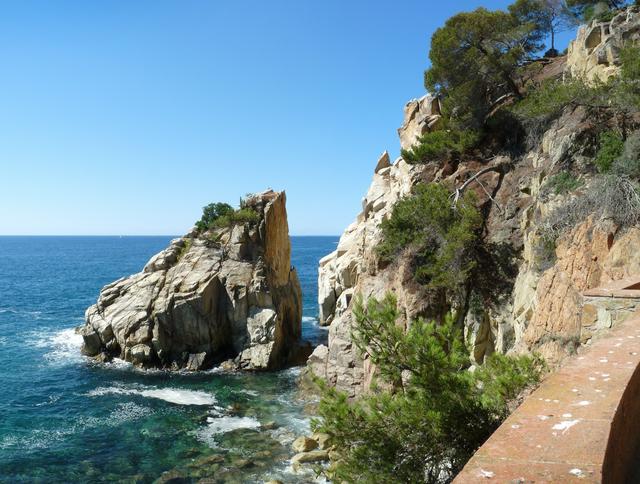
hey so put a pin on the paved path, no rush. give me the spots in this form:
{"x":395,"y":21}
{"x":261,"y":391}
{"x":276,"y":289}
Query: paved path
{"x":561,"y":432}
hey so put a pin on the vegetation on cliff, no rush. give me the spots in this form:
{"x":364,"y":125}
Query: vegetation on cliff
{"x":448,"y":254}
{"x":481,"y":63}
{"x":427,"y":412}
{"x":435,"y":411}
{"x":217,"y":215}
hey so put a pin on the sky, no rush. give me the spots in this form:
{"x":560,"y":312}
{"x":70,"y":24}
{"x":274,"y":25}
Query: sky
{"x":126,"y":118}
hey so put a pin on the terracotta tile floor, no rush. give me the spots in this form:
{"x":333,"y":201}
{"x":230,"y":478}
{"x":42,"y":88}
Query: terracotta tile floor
{"x":560,"y":432}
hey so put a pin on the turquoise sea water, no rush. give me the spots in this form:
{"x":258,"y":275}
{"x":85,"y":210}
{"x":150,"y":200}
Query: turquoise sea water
{"x":64,"y":419}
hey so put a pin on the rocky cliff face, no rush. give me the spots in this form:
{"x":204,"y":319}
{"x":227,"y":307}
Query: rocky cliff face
{"x":543,"y":311}
{"x":595,"y":53}
{"x":227,"y":293}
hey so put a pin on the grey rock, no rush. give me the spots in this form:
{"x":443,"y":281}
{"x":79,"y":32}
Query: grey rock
{"x":199,"y":302}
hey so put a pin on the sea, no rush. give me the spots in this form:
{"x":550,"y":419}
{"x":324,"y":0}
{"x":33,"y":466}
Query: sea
{"x":66,"y":419}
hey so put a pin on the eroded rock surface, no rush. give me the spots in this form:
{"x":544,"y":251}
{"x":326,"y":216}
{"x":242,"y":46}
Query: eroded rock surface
{"x":228,"y":293}
{"x":420,"y":116}
{"x":595,"y":53}
{"x":543,"y":310}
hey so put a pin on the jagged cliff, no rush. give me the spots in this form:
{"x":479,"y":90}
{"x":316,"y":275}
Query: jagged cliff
{"x":595,"y":53}
{"x":543,"y":311}
{"x":226,"y":293}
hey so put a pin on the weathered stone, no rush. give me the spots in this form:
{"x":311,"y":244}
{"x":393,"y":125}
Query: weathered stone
{"x":323,"y":440}
{"x":595,"y":53}
{"x":420,"y":116}
{"x":196,"y":361}
{"x":542,"y":312}
{"x":304,"y":444}
{"x":383,"y":162}
{"x":206,"y":296}
{"x":308,"y":457}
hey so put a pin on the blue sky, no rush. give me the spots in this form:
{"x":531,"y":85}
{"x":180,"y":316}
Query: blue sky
{"x":122,"y":117}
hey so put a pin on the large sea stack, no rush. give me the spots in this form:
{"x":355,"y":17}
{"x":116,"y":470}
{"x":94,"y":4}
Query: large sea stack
{"x":213,"y":295}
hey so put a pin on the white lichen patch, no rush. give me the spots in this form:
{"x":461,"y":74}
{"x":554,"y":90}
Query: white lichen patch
{"x":576,"y":472}
{"x":486,"y":474}
{"x":565,"y":425}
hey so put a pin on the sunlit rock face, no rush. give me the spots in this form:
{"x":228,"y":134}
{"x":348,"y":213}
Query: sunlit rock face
{"x":208,"y":297}
{"x":595,"y":53}
{"x":543,"y":311}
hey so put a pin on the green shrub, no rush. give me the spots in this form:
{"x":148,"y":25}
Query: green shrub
{"x":240,"y":216}
{"x":441,"y":236}
{"x":436,"y":145}
{"x":217,"y":215}
{"x":444,"y":246}
{"x":563,"y":182}
{"x":185,"y":248}
{"x":626,"y":94}
{"x":211,"y":213}
{"x":611,"y":146}
{"x":548,"y":100}
{"x":438,"y":412}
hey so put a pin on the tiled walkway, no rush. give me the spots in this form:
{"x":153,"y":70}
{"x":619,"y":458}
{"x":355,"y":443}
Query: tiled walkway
{"x":561,"y":432}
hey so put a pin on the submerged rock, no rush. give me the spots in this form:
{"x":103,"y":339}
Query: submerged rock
{"x":210,"y":296}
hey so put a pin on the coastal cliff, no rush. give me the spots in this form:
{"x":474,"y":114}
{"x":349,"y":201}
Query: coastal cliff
{"x":224,"y":293}
{"x":542,"y":310}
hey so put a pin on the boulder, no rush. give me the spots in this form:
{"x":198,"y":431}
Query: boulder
{"x":309,"y":457}
{"x":304,"y":444}
{"x":227,"y":293}
{"x":323,"y":440}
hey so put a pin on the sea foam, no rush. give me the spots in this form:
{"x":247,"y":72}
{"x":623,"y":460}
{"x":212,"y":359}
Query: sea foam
{"x":61,"y":347}
{"x":221,"y":425}
{"x":177,"y":396}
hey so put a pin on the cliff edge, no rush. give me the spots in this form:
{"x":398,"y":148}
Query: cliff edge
{"x":542,"y":311}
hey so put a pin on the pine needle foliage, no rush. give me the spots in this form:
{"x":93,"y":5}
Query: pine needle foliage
{"x":435,"y":412}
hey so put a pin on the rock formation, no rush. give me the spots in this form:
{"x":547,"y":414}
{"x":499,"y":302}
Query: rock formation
{"x":420,"y":116}
{"x":542,"y":313}
{"x":595,"y":53}
{"x":226,"y":293}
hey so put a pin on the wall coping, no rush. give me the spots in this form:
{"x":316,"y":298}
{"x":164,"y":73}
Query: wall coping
{"x":582,"y":424}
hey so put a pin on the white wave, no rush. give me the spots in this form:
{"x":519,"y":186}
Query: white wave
{"x":223,"y":424}
{"x":120,"y":364}
{"x":290,"y":373}
{"x":309,"y":319}
{"x":299,"y":425}
{"x":251,"y":393}
{"x":63,"y":345}
{"x":3,"y":340}
{"x":177,"y":396}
